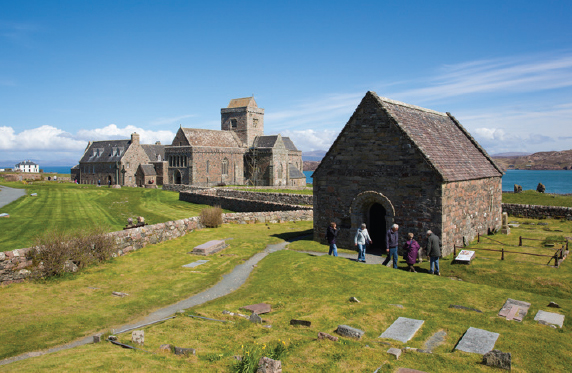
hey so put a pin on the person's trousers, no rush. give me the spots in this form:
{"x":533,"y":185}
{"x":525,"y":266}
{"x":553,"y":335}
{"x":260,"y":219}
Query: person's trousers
{"x":361,"y":252}
{"x":434,"y":260}
{"x":393,"y":256}
{"x":333,"y":249}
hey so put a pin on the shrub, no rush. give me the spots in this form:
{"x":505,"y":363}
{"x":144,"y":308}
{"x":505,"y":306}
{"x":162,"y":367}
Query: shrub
{"x":211,"y":217}
{"x":55,"y":250}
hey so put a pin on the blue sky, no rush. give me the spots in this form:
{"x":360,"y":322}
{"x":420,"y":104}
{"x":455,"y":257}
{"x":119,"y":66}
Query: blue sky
{"x":74,"y":71}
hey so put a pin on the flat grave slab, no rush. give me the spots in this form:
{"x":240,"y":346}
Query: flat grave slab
{"x":465,"y":256}
{"x":194,"y":264}
{"x":403,"y":329}
{"x":407,"y":370}
{"x":550,"y":318}
{"x":514,"y":309}
{"x":258,"y":308}
{"x":435,"y":341}
{"x":209,"y":248}
{"x":477,"y":341}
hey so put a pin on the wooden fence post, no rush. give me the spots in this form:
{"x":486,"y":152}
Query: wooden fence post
{"x":520,"y":241}
{"x":502,"y":253}
{"x":455,"y":250}
{"x":478,"y":237}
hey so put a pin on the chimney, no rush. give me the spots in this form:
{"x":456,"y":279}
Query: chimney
{"x":158,"y":143}
{"x":135,"y":138}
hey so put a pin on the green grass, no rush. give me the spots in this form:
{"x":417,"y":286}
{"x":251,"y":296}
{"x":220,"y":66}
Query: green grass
{"x":38,"y":315}
{"x":72,"y":206}
{"x":317,"y":289}
{"x":532,"y":197}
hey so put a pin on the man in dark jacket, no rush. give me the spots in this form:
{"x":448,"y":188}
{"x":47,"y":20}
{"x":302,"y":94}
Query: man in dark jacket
{"x":433,"y":252}
{"x":331,"y":235}
{"x":391,"y":242}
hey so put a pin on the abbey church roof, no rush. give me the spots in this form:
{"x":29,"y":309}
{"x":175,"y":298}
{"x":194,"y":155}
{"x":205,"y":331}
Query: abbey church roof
{"x":214,"y":138}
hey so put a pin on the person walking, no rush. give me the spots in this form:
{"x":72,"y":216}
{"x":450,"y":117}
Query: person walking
{"x":433,"y":252}
{"x":331,"y":235}
{"x":411,"y":248}
{"x":361,"y":238}
{"x":391,"y":242}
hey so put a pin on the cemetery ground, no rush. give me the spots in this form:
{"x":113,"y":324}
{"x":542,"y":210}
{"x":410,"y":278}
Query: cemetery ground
{"x":297,"y":286}
{"x":71,"y":206}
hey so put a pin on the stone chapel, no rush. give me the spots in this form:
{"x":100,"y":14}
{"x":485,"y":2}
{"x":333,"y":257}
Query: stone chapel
{"x":398,"y":163}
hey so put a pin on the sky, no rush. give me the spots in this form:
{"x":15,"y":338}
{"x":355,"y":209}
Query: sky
{"x":78,"y":71}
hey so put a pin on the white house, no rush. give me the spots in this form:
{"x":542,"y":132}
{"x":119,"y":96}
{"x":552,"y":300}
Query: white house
{"x":27,"y":166}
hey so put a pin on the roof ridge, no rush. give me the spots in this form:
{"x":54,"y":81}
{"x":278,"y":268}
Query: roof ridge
{"x":415,"y":107}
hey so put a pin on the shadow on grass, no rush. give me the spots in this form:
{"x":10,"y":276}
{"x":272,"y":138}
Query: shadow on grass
{"x":301,"y":235}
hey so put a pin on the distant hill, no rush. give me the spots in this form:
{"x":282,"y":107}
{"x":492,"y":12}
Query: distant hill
{"x":315,"y":155}
{"x":555,"y":160}
{"x":311,"y":165}
{"x":510,"y":154}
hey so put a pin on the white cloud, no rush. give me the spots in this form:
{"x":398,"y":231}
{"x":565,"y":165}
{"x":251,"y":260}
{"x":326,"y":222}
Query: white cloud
{"x":308,"y":140}
{"x":490,"y":133}
{"x":165,"y":121}
{"x":112,"y":132}
{"x":511,"y":74}
{"x":41,"y":138}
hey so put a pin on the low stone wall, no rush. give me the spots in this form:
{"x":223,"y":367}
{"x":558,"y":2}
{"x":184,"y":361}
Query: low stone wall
{"x":537,"y":211}
{"x":14,"y":264}
{"x":285,"y":198}
{"x":210,"y":197}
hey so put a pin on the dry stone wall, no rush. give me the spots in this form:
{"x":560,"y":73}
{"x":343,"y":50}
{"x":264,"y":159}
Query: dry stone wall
{"x":537,"y":212}
{"x":14,"y":263}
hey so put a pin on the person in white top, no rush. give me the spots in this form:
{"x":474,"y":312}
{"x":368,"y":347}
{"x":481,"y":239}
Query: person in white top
{"x":361,"y":238}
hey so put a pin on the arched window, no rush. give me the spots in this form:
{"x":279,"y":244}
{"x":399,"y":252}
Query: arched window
{"x":208,"y":167}
{"x":233,"y":124}
{"x":280,"y":169}
{"x":224,"y":166}
{"x":159,"y":157}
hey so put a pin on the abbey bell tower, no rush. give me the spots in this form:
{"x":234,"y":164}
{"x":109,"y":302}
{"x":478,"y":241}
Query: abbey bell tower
{"x":245,"y":118}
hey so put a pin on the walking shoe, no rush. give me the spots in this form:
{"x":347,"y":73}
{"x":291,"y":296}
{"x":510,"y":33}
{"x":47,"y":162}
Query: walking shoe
{"x":438,"y":273}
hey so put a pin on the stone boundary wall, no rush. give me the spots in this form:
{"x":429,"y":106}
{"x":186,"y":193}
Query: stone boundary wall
{"x":537,"y":211}
{"x":285,"y":198}
{"x":210,"y":197}
{"x":14,"y":264}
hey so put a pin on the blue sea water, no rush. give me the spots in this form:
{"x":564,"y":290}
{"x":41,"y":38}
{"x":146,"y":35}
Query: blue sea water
{"x":555,"y":181}
{"x":57,"y":169}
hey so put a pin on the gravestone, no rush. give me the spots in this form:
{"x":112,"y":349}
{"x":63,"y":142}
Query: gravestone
{"x":497,"y":358}
{"x":505,"y":229}
{"x":514,"y":309}
{"x":194,"y":264}
{"x":268,"y":365}
{"x":407,"y":370}
{"x":434,"y":341}
{"x":477,"y":341}
{"x":184,"y":351}
{"x":395,"y":351}
{"x":348,"y":331}
{"x":258,"y":308}
{"x":300,"y":322}
{"x":209,"y":248}
{"x":549,"y":318}
{"x":255,"y":318}
{"x":403,"y":329}
{"x":138,"y":336}
{"x":322,"y":335}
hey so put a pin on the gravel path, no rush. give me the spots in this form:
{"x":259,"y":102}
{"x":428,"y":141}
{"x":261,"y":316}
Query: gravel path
{"x":227,"y":285}
{"x":8,"y":195}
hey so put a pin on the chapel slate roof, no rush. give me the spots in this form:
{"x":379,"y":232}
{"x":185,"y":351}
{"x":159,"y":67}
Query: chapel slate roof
{"x":109,"y":151}
{"x":294,"y":172}
{"x":242,"y":102}
{"x":214,"y":138}
{"x":154,"y":151}
{"x":148,"y":169}
{"x":289,"y":144}
{"x":265,"y":141}
{"x":443,"y":141}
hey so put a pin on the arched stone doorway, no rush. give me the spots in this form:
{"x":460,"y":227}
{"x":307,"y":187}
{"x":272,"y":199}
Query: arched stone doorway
{"x":177,"y":177}
{"x":109,"y":180}
{"x":377,"y":211}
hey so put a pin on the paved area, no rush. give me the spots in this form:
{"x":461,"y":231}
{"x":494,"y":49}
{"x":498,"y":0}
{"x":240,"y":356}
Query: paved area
{"x":369,"y":258}
{"x":8,"y":195}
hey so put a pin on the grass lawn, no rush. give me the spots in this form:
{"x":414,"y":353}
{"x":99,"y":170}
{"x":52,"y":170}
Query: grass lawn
{"x":40,"y":315}
{"x":72,"y":206}
{"x":317,"y":289}
{"x":532,"y":197}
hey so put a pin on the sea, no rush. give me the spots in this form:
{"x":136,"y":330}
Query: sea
{"x":55,"y":169}
{"x":558,"y":182}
